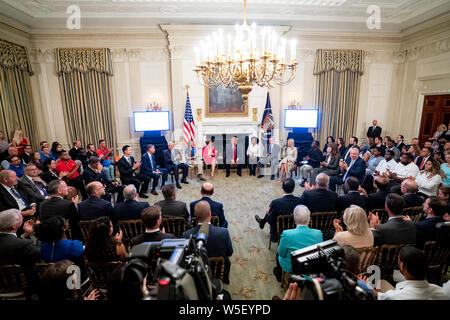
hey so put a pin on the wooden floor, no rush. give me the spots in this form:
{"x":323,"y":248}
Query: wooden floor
{"x":251,"y":274}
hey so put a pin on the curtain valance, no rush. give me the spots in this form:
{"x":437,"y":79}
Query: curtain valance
{"x":83,"y":60}
{"x":14,"y":56}
{"x":339,"y":60}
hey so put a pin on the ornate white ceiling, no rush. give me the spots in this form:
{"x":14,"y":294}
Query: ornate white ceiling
{"x":396,"y":15}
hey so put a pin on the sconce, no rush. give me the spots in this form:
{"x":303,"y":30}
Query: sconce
{"x":255,"y":113}
{"x":294,"y":104}
{"x":153,"y":106}
{"x":199,"y":114}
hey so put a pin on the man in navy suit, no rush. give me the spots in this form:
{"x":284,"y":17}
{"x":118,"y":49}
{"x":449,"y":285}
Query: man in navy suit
{"x":374,"y":130}
{"x":216,"y":207}
{"x":128,"y":167}
{"x":352,"y":144}
{"x":409,"y":190}
{"x":424,"y":156}
{"x":171,"y":166}
{"x":318,"y":198}
{"x":218,"y":240}
{"x":150,"y":169}
{"x":132,"y":208}
{"x":95,"y":207}
{"x":281,"y":206}
{"x":352,"y":195}
{"x":356,"y":168}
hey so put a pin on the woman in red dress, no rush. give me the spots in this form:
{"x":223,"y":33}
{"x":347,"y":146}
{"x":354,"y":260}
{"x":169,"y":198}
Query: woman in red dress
{"x":209,"y":156}
{"x":19,"y":141}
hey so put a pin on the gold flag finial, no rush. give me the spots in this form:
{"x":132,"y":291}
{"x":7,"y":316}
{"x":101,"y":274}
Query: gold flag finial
{"x":187,"y":88}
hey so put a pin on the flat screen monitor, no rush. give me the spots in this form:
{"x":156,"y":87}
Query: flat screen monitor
{"x":151,"y":121}
{"x":300,"y":118}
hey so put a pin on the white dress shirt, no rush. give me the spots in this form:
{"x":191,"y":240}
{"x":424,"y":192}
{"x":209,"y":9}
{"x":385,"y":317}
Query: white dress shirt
{"x":19,"y":201}
{"x":255,"y":150}
{"x":428,"y":185}
{"x":414,"y":290}
{"x":402,"y":171}
{"x":384,"y":165}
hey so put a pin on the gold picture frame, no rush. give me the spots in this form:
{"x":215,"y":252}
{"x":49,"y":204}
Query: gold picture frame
{"x":228,"y":96}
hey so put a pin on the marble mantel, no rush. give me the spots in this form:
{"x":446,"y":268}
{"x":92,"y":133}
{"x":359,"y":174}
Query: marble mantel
{"x":204,"y":128}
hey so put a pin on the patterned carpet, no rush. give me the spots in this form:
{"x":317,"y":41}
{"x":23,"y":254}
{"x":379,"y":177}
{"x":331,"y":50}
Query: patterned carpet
{"x":251,"y":274}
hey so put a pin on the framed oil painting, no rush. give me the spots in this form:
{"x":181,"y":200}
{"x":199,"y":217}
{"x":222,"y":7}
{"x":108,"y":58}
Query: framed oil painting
{"x":224,"y":102}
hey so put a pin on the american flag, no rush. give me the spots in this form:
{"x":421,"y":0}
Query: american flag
{"x":189,"y":124}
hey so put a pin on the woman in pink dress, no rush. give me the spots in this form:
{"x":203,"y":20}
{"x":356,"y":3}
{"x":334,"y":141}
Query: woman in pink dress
{"x":209,"y":155}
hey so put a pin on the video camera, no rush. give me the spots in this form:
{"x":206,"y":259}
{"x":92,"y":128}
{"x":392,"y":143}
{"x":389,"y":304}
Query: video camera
{"x":320,"y":273}
{"x":181,"y":268}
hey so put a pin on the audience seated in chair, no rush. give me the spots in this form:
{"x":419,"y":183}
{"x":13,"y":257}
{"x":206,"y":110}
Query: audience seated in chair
{"x":170,"y":207}
{"x":150,"y":169}
{"x":172,"y":162}
{"x":352,"y":195}
{"x":12,"y":152}
{"x":72,"y":178}
{"x":16,"y":165}
{"x":101,"y":245}
{"x":218,"y":240}
{"x":409,"y":190}
{"x":11,"y":197}
{"x":317,"y":197}
{"x":402,"y":171}
{"x":32,"y":185}
{"x":216,"y":207}
{"x":128,"y":175}
{"x":396,"y":230}
{"x":131,"y":208}
{"x":413,"y":265}
{"x":377,"y":199}
{"x":358,"y":234}
{"x":356,"y":168}
{"x":152,"y":219}
{"x":95,"y":207}
{"x":278,"y":207}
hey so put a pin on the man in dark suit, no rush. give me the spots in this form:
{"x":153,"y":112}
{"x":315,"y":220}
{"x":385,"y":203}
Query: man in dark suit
{"x":11,"y":197}
{"x":56,"y":205}
{"x":425,"y":154}
{"x":234,"y":156}
{"x":399,"y":142}
{"x":150,"y":169}
{"x":352,"y":144}
{"x":374,"y":130}
{"x":170,"y":166}
{"x":78,"y":153}
{"x":351,"y":186}
{"x":356,"y":168}
{"x":95,"y":207}
{"x":128,"y":175}
{"x":93,"y":172}
{"x":270,"y":156}
{"x":170,"y":207}
{"x":434,"y":208}
{"x":32,"y":185}
{"x":281,"y":206}
{"x":131,"y":208}
{"x":14,"y":249}
{"x":218,"y":240}
{"x":377,"y":199}
{"x":396,"y":230}
{"x":318,"y":198}
{"x":152,"y":219}
{"x":409,"y":190}
{"x":216,"y":207}
{"x":378,"y":141}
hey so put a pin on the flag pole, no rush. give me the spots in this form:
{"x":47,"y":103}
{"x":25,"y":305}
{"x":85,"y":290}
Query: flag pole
{"x":187,"y":89}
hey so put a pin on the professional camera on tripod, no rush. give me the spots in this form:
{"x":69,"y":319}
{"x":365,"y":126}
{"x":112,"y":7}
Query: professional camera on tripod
{"x":321,"y":274}
{"x":181,"y":269}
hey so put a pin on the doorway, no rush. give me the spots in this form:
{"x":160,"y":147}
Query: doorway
{"x":436,"y":110}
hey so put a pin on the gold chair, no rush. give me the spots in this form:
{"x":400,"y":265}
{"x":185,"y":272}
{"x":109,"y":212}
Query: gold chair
{"x":323,"y":220}
{"x":416,"y":213}
{"x":387,"y":258}
{"x":13,"y":283}
{"x":284,"y":222}
{"x":100,"y":274}
{"x":382,"y":215}
{"x":368,"y":257}
{"x":217,"y":267}
{"x":131,"y":229}
{"x":84,"y":227}
{"x":214,"y":221}
{"x":174,"y":225}
{"x":437,"y":256}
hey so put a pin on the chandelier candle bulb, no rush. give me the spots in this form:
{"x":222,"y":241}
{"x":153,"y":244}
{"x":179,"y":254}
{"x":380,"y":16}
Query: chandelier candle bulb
{"x":293,"y":50}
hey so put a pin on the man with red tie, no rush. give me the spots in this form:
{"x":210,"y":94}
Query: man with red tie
{"x":234,"y":156}
{"x":424,"y":156}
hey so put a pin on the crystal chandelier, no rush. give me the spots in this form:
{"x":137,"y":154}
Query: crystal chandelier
{"x":247,"y":59}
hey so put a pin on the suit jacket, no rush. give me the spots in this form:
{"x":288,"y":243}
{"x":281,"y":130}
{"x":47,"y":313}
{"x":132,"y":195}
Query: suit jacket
{"x":216,"y":210}
{"x":90,"y":175}
{"x":294,"y":239}
{"x":151,"y":237}
{"x":173,"y":208}
{"x":399,"y":146}
{"x":334,"y":162}
{"x":418,"y":161}
{"x":30,"y":189}
{"x":169,"y":159}
{"x":275,"y":152}
{"x":129,"y":210}
{"x":218,"y":244}
{"x":352,"y":197}
{"x":240,"y":155}
{"x":357,"y":170}
{"x":125,"y":169}
{"x":426,"y":230}
{"x":376,"y":200}
{"x":374,"y":133}
{"x":146,"y":167}
{"x":413,"y":200}
{"x":56,"y":206}
{"x":316,"y":156}
{"x":94,"y":208}
{"x":395,"y":231}
{"x":7,"y":201}
{"x":346,"y":155}
{"x":14,"y":250}
{"x":319,"y":200}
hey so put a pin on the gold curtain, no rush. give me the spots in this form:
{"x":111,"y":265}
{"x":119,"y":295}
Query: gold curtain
{"x":85,"y":84}
{"x":16,"y":104}
{"x":337,"y":91}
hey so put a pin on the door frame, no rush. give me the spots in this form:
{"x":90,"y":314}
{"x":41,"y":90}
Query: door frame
{"x":420,"y":108}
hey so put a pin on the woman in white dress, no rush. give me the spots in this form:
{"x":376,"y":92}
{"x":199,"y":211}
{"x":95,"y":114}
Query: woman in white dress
{"x":288,"y":159}
{"x":430,"y":179}
{"x":254,"y":152}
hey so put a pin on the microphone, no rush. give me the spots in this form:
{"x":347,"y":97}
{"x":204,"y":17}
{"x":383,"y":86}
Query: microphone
{"x":201,"y":240}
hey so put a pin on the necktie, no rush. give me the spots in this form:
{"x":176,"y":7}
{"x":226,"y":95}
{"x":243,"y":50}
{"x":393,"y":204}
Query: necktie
{"x":345,"y":175}
{"x":422,"y":163}
{"x":17,"y":194}
{"x":41,"y":188}
{"x":234,"y":153}
{"x":151,"y":162}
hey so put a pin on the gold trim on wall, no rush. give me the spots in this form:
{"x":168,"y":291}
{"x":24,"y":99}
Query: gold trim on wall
{"x":221,"y":115}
